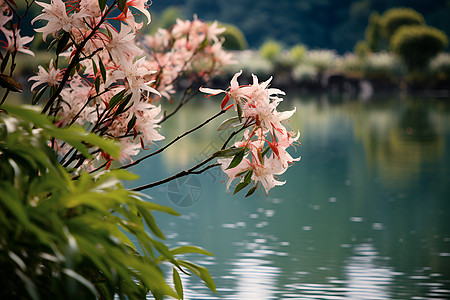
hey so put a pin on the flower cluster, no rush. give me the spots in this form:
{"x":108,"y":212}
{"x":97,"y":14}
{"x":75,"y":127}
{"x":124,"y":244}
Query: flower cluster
{"x":191,"y":47}
{"x":10,"y":38}
{"x":113,"y":83}
{"x":261,"y":154}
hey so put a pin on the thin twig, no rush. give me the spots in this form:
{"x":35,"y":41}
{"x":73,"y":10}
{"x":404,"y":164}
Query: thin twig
{"x":174,"y":140}
{"x":180,"y":174}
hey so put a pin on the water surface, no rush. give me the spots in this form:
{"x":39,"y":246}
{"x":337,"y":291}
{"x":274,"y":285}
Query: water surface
{"x":365,"y":214}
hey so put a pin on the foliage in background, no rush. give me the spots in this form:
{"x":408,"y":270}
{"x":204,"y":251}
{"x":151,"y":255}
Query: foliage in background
{"x":234,"y":38}
{"x":395,"y":18}
{"x":416,"y":45}
{"x":75,"y":239}
{"x":271,"y":50}
{"x":373,"y":32}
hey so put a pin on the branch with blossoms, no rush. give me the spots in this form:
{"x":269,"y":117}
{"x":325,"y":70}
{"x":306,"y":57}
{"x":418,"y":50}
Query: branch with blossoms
{"x":111,"y":85}
{"x":262,"y":153}
{"x":115,"y":86}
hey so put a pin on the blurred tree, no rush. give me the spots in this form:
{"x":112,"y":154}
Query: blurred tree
{"x":373,"y":32}
{"x":394,"y":18}
{"x":234,"y":38}
{"x":271,"y":50}
{"x":417,"y":45}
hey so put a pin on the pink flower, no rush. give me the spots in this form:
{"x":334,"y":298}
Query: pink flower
{"x":50,"y":77}
{"x":56,"y":16}
{"x":15,"y":42}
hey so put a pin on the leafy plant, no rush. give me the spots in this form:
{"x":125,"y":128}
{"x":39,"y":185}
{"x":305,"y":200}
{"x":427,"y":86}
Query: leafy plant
{"x":417,"y":44}
{"x":234,"y":38}
{"x":76,"y":238}
{"x":394,"y":18}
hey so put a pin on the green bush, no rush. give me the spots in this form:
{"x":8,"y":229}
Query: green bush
{"x":417,"y":44}
{"x":394,"y":18}
{"x":234,"y":38}
{"x":373,"y":32}
{"x":76,"y":237}
{"x":297,"y":53}
{"x":271,"y":50}
{"x":362,"y":49}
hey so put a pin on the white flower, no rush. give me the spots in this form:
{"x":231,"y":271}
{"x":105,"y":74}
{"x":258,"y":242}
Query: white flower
{"x":15,"y":42}
{"x":56,"y":15}
{"x":50,"y":77}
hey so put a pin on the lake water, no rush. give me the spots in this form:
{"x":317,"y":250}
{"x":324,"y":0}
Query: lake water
{"x":365,"y":214}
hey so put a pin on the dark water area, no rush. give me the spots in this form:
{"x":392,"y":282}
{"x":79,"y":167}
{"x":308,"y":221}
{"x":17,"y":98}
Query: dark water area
{"x":365,"y":214}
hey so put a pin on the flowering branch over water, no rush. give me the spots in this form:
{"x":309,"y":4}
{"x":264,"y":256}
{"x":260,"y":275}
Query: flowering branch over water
{"x":262,"y":153}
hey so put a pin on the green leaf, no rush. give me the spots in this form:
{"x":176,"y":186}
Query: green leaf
{"x":237,"y":159}
{"x":229,"y":123}
{"x":123,"y":104}
{"x":122,"y":5}
{"x":74,"y":135}
{"x":74,"y":275}
{"x":97,"y":84}
{"x":239,"y":111}
{"x":62,"y":43}
{"x":37,"y":96}
{"x":265,"y":151}
{"x":189,"y":249}
{"x":248,"y":176}
{"x":94,"y":66}
{"x":102,"y":4}
{"x":102,"y":70}
{"x":116,"y":99}
{"x":240,"y":186}
{"x":131,"y":123}
{"x":151,"y":223}
{"x":177,"y":283}
{"x":201,"y":272}
{"x":251,"y":191}
{"x":227,"y":152}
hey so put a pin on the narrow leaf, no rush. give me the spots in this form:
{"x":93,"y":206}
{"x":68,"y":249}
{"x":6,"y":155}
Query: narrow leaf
{"x":97,"y":84}
{"x":239,"y":111}
{"x":202,"y":272}
{"x":94,"y":66}
{"x":37,"y":96}
{"x":151,"y":223}
{"x":116,"y":99}
{"x":240,"y":186}
{"x":265,"y":151}
{"x":177,"y":282}
{"x":131,"y":123}
{"x":189,"y":249}
{"x":227,"y":152}
{"x":102,"y":4}
{"x":102,"y":70}
{"x":248,"y":176}
{"x":229,"y":123}
{"x":122,"y":5}
{"x":62,"y":43}
{"x":251,"y":191}
{"x":237,"y":159}
{"x":71,"y":273}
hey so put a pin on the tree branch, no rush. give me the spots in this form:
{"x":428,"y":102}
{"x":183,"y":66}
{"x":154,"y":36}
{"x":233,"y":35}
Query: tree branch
{"x":180,"y":174}
{"x":174,"y":140}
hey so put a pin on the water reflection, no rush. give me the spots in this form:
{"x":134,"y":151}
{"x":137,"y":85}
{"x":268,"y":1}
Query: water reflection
{"x":364,"y":215}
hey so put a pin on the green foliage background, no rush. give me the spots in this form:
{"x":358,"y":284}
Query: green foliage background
{"x":317,"y":24}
